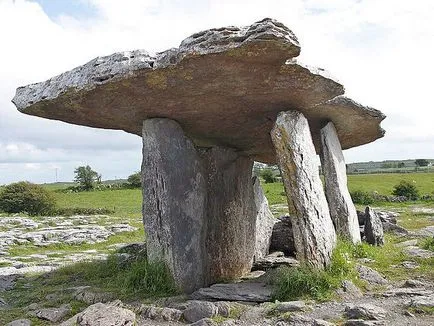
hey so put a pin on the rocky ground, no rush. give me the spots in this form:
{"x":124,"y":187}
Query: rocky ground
{"x":403,"y":297}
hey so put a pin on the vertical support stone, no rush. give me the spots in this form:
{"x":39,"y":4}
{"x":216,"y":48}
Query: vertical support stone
{"x":342,"y":209}
{"x":264,"y":221}
{"x":314,"y":233}
{"x":174,"y":202}
{"x":231,"y":213}
{"x":198,"y":207}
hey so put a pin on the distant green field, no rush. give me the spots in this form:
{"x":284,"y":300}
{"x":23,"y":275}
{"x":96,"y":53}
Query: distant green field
{"x":383,"y":183}
{"x":128,"y":202}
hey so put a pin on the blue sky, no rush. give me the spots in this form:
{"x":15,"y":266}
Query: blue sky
{"x":79,"y":9}
{"x":380,"y":50}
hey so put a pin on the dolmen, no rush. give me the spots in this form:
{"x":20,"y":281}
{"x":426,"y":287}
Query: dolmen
{"x":226,"y":97}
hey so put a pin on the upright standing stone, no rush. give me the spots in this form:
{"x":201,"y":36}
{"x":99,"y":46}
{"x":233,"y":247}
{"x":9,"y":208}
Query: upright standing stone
{"x":314,"y":233}
{"x":373,"y":228}
{"x":264,"y":221}
{"x":231,"y":213}
{"x":198,"y":207}
{"x":342,"y":210}
{"x":174,"y":202}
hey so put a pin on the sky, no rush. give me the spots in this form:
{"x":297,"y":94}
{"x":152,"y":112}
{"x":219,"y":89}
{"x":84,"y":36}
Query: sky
{"x":381,"y":50}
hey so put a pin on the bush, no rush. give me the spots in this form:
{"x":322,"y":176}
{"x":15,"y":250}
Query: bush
{"x":135,"y":180}
{"x":26,"y":197}
{"x":69,"y":211}
{"x":362,"y":197}
{"x":406,"y":189}
{"x":268,"y":176}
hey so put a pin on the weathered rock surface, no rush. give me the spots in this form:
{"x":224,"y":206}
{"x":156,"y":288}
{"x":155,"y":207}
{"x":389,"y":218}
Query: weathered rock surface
{"x":101,"y":314}
{"x":197,"y":310}
{"x":231,"y":214}
{"x":370,"y":275}
{"x":244,"y":291}
{"x":160,"y":314}
{"x":282,"y":238}
{"x":422,"y":302}
{"x":7,"y":282}
{"x":342,"y":210}
{"x":273,"y":261}
{"x":19,"y":322}
{"x":408,"y":292}
{"x":314,"y":233}
{"x":349,"y":291}
{"x":174,"y":202}
{"x":373,"y":228}
{"x":121,"y":90}
{"x":53,"y":314}
{"x":415,"y":251}
{"x":199,"y":210}
{"x":365,"y":311}
{"x":264,"y":221}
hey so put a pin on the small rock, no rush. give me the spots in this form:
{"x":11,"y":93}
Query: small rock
{"x":270,"y":261}
{"x":2,"y":302}
{"x":90,"y":297}
{"x":370,"y":275}
{"x":19,"y":322}
{"x":422,"y":302}
{"x":361,"y":322}
{"x":373,"y":228}
{"x":157,"y":313}
{"x":409,"y":264}
{"x":204,"y":322}
{"x":100,"y":314}
{"x":243,"y":291}
{"x":407,"y":243}
{"x":290,"y":306}
{"x":349,"y":291}
{"x":365,"y":311}
{"x":395,"y":229}
{"x":223,"y":308}
{"x":197,"y":310}
{"x":414,"y":251}
{"x":53,"y":314}
{"x":7,"y":282}
{"x":407,"y":291}
{"x":299,"y":320}
{"x":32,"y":306}
{"x":282,"y":238}
{"x":414,"y":284}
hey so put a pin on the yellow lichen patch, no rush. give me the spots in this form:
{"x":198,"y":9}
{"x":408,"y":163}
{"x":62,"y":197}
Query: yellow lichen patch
{"x":156,"y":80}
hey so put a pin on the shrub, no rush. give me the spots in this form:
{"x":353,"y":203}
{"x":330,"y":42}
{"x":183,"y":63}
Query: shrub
{"x":268,"y":176}
{"x":135,"y":180}
{"x":406,"y":189}
{"x":362,"y":197}
{"x":69,"y":211}
{"x":26,"y":197}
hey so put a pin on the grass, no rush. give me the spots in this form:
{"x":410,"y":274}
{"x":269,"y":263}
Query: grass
{"x":304,"y":282}
{"x":428,"y":244}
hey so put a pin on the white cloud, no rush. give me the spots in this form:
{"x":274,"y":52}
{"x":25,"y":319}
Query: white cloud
{"x":380,"y":50}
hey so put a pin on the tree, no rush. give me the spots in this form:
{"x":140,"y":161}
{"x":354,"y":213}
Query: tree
{"x":406,"y":189}
{"x":401,"y":164}
{"x":268,"y":176}
{"x":421,"y":162}
{"x":86,"y":177}
{"x":26,"y":197}
{"x":135,"y":180}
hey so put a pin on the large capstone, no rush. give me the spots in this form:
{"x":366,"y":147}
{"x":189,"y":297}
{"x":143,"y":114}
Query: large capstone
{"x":313,"y":230}
{"x":198,"y":207}
{"x":224,"y":86}
{"x":342,"y":209}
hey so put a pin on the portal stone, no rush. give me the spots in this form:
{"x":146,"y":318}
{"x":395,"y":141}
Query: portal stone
{"x":198,"y":207}
{"x":174,"y":202}
{"x":342,"y":210}
{"x":314,"y":233}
